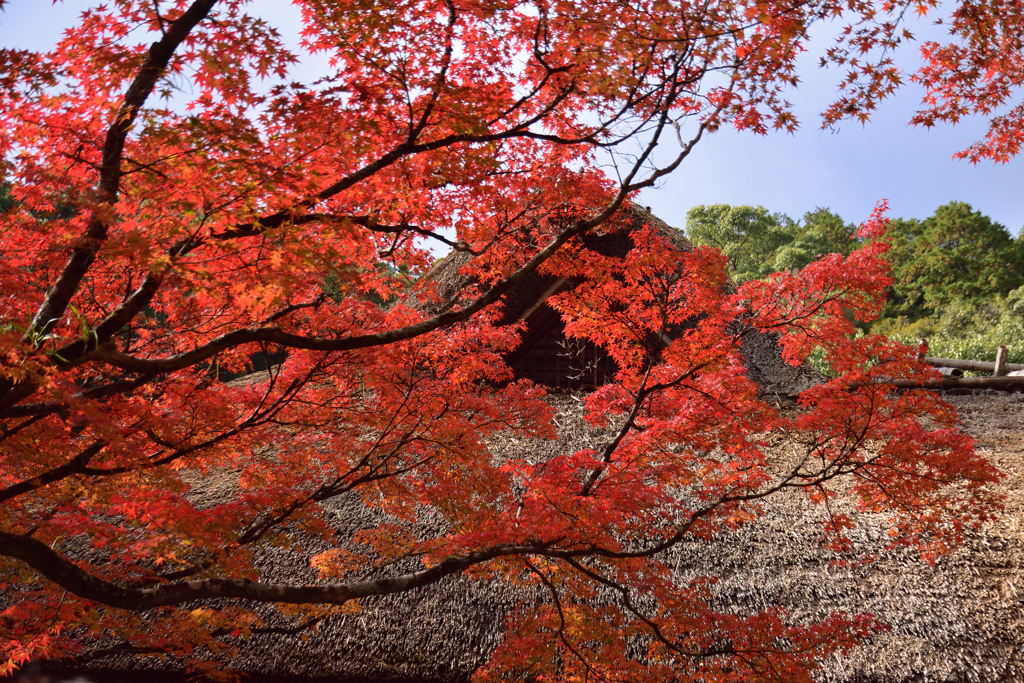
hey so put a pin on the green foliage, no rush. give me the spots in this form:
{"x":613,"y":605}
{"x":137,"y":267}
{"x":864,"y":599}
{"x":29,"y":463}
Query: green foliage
{"x":905,"y":298}
{"x":759,"y":243}
{"x":747,"y":235}
{"x":6,"y":200}
{"x":821,"y":232}
{"x":956,"y":255}
{"x":959,"y":275}
{"x":964,"y":330}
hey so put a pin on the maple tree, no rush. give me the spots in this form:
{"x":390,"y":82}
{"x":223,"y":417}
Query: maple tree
{"x":978,"y":73}
{"x":181,"y":208}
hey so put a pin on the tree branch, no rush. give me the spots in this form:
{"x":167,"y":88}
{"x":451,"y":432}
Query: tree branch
{"x":108,"y":188}
{"x":69,"y":575}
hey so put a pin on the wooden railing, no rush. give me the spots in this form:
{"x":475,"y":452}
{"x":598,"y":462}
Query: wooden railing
{"x":998,"y":369}
{"x":1005,"y":376}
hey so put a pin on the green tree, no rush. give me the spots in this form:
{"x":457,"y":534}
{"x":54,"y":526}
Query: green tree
{"x":759,"y":243}
{"x":749,"y":236}
{"x":905,"y":297}
{"x":821,"y":232}
{"x":971,"y":332}
{"x":955,"y":255}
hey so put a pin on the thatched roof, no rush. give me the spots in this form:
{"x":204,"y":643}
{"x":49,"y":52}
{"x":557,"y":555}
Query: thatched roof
{"x":960,"y":620}
{"x":453,"y":283}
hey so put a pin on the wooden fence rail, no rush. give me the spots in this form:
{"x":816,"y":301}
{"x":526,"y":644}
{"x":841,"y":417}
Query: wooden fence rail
{"x":1005,"y":376}
{"x":975,"y":365}
{"x":1003,"y":383}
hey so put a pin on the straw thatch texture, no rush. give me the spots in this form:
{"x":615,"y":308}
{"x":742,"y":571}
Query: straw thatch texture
{"x":958,"y":621}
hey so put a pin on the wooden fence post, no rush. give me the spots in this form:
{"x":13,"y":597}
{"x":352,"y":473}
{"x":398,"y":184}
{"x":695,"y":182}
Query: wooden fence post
{"x":1000,"y":368}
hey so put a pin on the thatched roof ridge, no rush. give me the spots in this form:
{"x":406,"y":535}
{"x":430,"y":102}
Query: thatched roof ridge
{"x":761,"y":350}
{"x":452,"y":283}
{"x":445,"y":271}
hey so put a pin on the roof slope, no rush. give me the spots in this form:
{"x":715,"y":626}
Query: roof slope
{"x":959,"y":620}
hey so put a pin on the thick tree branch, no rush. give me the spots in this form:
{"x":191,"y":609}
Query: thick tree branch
{"x":110,"y":172}
{"x":63,"y":572}
{"x":103,"y":391}
{"x":73,"y":466}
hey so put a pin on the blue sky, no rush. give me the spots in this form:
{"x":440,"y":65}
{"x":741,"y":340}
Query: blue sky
{"x":848,"y":171}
